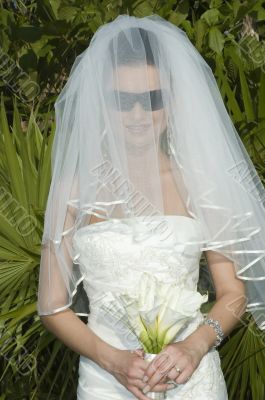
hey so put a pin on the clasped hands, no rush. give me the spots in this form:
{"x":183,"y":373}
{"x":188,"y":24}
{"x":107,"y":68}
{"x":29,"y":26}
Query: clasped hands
{"x":176,"y":363}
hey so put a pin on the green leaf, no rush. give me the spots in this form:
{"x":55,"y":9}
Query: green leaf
{"x":18,"y":314}
{"x":44,"y":176}
{"x":29,"y":171}
{"x":261,"y":96}
{"x":177,"y":18}
{"x":211,"y":17}
{"x":248,"y":104}
{"x":13,"y":162}
{"x":67,"y":13}
{"x":143,"y":8}
{"x":200,"y":29}
{"x":215,"y":3}
{"x":216,"y":40}
{"x":55,"y":4}
{"x":227,"y":91}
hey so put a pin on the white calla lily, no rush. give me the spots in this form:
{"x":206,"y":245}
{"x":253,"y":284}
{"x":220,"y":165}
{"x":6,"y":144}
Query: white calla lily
{"x":157,"y":311}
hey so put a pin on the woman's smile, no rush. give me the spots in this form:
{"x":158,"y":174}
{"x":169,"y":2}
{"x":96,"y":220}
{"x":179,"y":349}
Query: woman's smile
{"x":138,"y":128}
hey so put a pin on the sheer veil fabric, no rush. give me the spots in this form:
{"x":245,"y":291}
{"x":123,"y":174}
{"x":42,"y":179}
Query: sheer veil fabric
{"x":142,"y":130}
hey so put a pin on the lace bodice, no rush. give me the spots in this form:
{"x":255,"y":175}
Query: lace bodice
{"x":112,"y":257}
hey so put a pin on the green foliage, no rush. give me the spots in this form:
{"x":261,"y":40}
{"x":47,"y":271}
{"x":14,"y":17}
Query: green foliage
{"x":40,"y":40}
{"x":243,"y":361}
{"x":32,"y":362}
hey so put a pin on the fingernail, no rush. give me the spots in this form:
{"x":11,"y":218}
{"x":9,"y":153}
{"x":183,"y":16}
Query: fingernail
{"x":145,"y":378}
{"x":170,"y":386}
{"x":146,"y":389}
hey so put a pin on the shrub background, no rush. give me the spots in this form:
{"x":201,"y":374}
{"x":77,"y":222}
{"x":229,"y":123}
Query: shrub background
{"x":39,"y":41}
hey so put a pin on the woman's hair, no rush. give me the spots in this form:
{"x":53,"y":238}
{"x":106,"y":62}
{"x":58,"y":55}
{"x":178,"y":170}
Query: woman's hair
{"x":128,"y":55}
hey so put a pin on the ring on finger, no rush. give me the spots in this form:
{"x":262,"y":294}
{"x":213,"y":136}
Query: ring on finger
{"x":172,"y":383}
{"x":177,"y":369}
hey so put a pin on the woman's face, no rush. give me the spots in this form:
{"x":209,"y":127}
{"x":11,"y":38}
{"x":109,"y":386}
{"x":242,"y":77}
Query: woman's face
{"x":141,"y":127}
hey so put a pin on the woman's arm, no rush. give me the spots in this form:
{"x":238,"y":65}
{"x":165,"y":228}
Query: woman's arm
{"x":230,"y":301}
{"x":230,"y":305}
{"x":128,"y":368}
{"x":75,"y":334}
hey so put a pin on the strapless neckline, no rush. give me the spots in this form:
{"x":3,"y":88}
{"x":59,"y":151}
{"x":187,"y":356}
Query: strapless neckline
{"x":149,"y":227}
{"x":145,"y":217}
{"x":140,"y":217}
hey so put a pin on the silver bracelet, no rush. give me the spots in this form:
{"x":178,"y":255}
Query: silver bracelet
{"x":218,"y":330}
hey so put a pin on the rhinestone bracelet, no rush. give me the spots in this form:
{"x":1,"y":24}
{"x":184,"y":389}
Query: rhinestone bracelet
{"x":216,"y":326}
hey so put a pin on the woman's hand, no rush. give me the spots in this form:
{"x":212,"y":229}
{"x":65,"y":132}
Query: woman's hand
{"x":164,"y":366}
{"x":130,"y":369}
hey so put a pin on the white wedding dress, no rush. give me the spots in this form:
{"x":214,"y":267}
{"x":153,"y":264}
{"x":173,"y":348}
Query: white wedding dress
{"x":111,"y":260}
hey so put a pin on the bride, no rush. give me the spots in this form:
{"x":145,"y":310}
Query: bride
{"x":147,"y":170}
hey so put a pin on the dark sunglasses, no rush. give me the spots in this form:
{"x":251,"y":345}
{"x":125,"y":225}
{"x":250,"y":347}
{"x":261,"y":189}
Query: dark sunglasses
{"x":150,"y":101}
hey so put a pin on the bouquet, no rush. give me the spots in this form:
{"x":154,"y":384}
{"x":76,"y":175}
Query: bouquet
{"x":155,"y":311}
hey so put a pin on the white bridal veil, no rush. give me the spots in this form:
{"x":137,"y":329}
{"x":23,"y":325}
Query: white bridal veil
{"x":141,"y":130}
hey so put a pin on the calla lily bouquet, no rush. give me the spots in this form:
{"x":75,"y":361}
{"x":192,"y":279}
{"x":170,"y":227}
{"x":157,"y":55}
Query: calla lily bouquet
{"x":155,"y":311}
